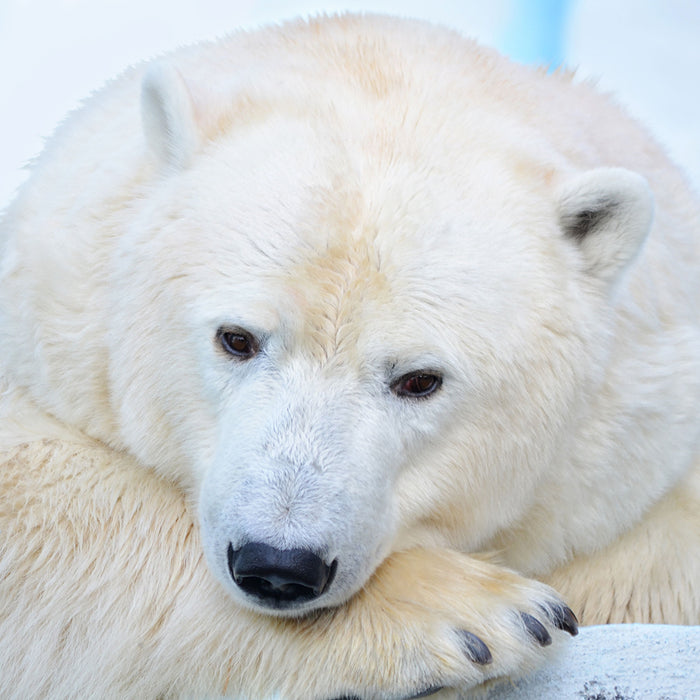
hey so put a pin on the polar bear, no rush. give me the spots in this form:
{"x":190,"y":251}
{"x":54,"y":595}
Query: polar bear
{"x":329,"y":352}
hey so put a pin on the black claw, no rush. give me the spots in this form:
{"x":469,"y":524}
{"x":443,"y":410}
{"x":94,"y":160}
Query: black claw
{"x":562,"y":617}
{"x":536,"y":629}
{"x":475,"y":649}
{"x":426,"y":693}
{"x":568,"y":621}
{"x":423,"y":694}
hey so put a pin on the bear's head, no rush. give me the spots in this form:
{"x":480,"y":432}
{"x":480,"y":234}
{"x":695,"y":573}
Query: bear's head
{"x":347,"y":318}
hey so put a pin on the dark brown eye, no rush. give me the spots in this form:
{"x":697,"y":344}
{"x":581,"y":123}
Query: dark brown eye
{"x":238,"y":343}
{"x":417,"y":385}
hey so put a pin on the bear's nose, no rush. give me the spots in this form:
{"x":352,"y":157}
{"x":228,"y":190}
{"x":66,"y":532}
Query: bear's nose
{"x":279,"y":576}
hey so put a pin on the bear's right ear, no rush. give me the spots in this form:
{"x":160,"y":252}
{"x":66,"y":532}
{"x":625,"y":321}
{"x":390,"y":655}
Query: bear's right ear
{"x":607,"y":212}
{"x":168,"y":115}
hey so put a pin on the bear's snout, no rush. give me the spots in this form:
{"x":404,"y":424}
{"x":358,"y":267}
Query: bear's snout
{"x":279,"y":578}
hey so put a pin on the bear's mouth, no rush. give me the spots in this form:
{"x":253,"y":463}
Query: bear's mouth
{"x":279,"y":579}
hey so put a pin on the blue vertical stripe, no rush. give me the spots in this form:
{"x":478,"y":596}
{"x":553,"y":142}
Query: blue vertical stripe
{"x":535,"y":33}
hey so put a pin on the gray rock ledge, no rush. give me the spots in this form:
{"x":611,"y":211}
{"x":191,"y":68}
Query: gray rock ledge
{"x":615,"y":662}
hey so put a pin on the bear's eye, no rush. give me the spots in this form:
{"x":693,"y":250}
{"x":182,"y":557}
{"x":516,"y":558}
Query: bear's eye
{"x":417,"y":385}
{"x":238,"y":343}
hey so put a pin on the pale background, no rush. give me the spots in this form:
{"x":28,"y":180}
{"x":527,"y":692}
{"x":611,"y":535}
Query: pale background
{"x":54,"y":52}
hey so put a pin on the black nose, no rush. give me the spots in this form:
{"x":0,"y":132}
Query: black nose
{"x":279,"y":575}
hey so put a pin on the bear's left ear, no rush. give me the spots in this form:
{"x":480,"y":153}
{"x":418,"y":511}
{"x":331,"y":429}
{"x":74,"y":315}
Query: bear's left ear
{"x":168,"y":115}
{"x":607,"y":212}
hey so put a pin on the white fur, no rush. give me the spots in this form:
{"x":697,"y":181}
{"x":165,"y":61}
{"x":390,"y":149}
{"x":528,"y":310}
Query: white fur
{"x":625,"y":203}
{"x":368,"y":197}
{"x":168,"y":115}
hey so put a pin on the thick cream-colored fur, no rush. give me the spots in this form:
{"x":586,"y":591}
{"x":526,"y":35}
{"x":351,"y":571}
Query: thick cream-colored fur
{"x":366,"y":198}
{"x":648,"y":574}
{"x":106,"y":595}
